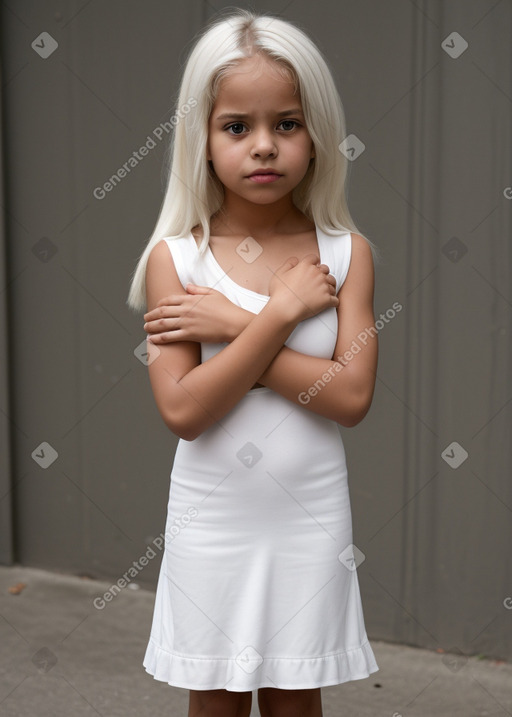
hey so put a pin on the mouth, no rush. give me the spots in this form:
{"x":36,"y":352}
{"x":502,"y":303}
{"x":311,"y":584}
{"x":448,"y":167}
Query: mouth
{"x":264,"y":171}
{"x":263,"y":176}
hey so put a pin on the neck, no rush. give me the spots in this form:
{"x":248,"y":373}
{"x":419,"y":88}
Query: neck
{"x":237,"y":216}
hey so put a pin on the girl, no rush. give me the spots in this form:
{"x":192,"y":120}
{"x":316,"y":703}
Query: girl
{"x":253,"y":369}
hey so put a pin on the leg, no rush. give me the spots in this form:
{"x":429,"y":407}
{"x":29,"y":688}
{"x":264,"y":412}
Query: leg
{"x":219,"y":703}
{"x":290,"y":703}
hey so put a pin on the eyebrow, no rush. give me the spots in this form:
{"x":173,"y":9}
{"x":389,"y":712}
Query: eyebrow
{"x":241,"y":115}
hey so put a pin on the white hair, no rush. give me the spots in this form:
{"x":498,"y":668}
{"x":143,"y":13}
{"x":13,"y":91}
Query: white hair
{"x":194,"y":193}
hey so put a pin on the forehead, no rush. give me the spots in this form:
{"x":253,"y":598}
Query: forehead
{"x":256,"y":82}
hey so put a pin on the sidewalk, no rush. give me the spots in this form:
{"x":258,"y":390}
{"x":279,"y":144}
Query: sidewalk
{"x":62,"y":657}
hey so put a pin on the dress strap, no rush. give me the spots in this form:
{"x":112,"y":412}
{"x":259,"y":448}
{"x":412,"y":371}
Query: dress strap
{"x":337,"y":254}
{"x":335,"y":251}
{"x":184,"y":253}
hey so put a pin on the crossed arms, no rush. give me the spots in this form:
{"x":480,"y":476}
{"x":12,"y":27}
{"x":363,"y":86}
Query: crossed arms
{"x":192,"y":396}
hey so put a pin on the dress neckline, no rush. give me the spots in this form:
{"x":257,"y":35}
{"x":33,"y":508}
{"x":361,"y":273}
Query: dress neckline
{"x":223,"y":275}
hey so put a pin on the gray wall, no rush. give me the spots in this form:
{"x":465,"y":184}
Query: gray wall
{"x":430,"y":189}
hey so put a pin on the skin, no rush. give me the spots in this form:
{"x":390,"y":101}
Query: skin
{"x":192,"y":396}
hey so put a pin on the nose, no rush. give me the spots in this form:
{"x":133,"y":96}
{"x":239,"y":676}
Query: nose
{"x":263,"y":144}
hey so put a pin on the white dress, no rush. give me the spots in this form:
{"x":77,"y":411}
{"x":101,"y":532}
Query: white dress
{"x":257,"y":585}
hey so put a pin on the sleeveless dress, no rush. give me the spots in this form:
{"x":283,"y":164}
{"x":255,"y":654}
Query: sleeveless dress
{"x":258,"y":583}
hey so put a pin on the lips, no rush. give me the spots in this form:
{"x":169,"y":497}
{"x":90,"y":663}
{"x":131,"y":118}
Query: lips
{"x":258,"y":172}
{"x":264,"y":178}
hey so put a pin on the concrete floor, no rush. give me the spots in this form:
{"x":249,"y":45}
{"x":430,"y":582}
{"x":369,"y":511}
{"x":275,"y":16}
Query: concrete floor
{"x":59,"y":655}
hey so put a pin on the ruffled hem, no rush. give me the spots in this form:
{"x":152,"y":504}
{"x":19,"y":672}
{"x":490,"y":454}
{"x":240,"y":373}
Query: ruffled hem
{"x":250,"y":672}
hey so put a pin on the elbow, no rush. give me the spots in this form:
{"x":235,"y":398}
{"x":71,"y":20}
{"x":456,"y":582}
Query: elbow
{"x":185,"y":433}
{"x":182,"y":429}
{"x":349,"y":420}
{"x":183,"y":425}
{"x":354,"y":414}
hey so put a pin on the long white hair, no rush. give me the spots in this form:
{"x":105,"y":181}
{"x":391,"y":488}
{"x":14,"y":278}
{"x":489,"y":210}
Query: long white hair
{"x":194,"y":193}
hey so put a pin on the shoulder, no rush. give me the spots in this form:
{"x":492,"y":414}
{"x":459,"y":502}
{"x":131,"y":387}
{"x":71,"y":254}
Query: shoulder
{"x":361,"y":252}
{"x":360,"y":276}
{"x":161,"y":275}
{"x":159,"y":259}
{"x":160,"y":249}
{"x":168,"y":252}
{"x":360,"y":245}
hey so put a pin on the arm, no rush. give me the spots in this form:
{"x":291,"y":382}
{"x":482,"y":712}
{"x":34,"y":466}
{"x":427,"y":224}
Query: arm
{"x":190,"y":395}
{"x":345,"y":388}
{"x":346,"y":391}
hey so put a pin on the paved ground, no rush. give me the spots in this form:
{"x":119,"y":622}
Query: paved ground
{"x":60,"y":656}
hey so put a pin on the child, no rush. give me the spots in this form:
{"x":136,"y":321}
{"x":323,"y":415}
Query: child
{"x":252,"y":369}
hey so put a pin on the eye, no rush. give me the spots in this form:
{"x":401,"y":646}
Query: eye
{"x":237,"y":124}
{"x":293,"y":122}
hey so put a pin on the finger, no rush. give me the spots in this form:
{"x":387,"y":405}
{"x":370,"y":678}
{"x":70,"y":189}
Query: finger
{"x":158,"y":314}
{"x":195,"y":289}
{"x":152,"y":315}
{"x":164,"y":301}
{"x":312,"y":258}
{"x":166,"y":337}
{"x":289,"y":263}
{"x":161,"y":325}
{"x":166,"y":308}
{"x":156,"y":339}
{"x":172,"y":299}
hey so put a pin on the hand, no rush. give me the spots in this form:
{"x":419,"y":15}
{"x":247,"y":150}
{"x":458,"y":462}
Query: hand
{"x":202,"y":315}
{"x":304,"y":288}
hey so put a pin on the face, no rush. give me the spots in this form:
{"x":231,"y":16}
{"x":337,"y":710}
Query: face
{"x":271,"y":135}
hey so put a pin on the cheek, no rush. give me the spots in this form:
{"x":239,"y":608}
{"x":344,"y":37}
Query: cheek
{"x":300,"y":146}
{"x":227,"y":153}
{"x":300,"y":155}
{"x":218,"y":142}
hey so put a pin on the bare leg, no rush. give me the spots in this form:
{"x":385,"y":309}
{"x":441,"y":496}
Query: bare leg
{"x":290,"y":703}
{"x":219,"y":703}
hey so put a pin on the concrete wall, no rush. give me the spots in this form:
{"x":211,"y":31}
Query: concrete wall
{"x":432,"y":189}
